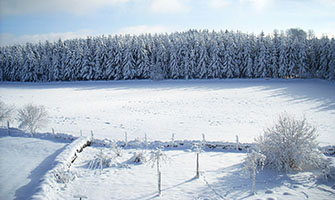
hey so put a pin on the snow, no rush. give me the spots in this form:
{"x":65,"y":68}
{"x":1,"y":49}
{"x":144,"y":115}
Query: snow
{"x":61,"y":165}
{"x":23,"y":162}
{"x":222,"y":177}
{"x":221,"y":109}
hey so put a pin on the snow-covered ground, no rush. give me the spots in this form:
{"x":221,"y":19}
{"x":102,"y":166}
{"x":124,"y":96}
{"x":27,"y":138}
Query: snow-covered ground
{"x":221,"y":109}
{"x":222,"y":177}
{"x":23,"y":162}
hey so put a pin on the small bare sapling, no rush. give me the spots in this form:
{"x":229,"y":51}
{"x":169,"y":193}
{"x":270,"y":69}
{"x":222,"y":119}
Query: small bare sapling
{"x":253,"y":162}
{"x":156,"y":157}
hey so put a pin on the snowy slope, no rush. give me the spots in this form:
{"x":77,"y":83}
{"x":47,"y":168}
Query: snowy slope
{"x":219,"y":108}
{"x":23,"y":162}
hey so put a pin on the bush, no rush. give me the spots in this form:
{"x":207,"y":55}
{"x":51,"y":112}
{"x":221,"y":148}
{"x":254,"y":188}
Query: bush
{"x":290,"y":145}
{"x":32,"y":117}
{"x":100,"y":161}
{"x":5,"y":112}
{"x":138,"y":157}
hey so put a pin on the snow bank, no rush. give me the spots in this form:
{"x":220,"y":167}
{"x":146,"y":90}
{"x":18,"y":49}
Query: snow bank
{"x":62,"y":163}
{"x":23,"y":163}
{"x":14,"y":132}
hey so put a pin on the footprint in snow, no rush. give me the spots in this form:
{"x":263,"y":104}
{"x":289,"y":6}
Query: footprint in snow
{"x":268,"y":192}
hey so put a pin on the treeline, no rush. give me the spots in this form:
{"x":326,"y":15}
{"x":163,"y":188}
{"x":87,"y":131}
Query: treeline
{"x":182,"y":55}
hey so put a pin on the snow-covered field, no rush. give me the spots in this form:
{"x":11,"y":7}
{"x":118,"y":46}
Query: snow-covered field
{"x":221,"y":109}
{"x":23,"y":162}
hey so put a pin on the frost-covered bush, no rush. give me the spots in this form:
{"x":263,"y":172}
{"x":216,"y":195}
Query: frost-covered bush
{"x":32,"y":117}
{"x":138,"y":157}
{"x":290,"y":145}
{"x":63,"y":175}
{"x":5,"y":112}
{"x":254,"y":162}
{"x":100,"y":161}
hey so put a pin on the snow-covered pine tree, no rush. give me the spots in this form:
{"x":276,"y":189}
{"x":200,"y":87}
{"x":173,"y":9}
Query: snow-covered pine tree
{"x":330,"y":74}
{"x":157,"y":62}
{"x":128,"y":62}
{"x":98,"y":59}
{"x":324,"y":58}
{"x":229,"y":62}
{"x":203,"y":60}
{"x":117,"y":60}
{"x":173,"y":65}
{"x":263,"y":57}
{"x":185,"y":62}
{"x":283,"y":59}
{"x":214,"y":69}
{"x":274,"y":55}
{"x":303,"y":71}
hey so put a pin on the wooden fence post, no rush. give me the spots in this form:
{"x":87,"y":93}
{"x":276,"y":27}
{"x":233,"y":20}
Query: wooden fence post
{"x":8,"y":127}
{"x":159,"y":183}
{"x":197,"y":165}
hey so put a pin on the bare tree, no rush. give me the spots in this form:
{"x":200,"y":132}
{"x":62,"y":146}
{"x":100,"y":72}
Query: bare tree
{"x":5,"y":112}
{"x":32,"y":117}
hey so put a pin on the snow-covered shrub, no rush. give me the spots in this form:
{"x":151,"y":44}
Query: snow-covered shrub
{"x":32,"y":117}
{"x":5,"y":112}
{"x":328,"y":170}
{"x":254,"y":162}
{"x":290,"y":145}
{"x":63,"y":175}
{"x":138,"y":157}
{"x":116,"y":149}
{"x":100,"y":161}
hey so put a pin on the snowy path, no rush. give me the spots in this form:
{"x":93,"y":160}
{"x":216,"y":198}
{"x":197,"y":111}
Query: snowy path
{"x":219,"y":108}
{"x":23,"y":162}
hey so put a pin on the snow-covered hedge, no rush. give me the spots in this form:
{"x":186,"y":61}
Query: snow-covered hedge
{"x":60,"y":172}
{"x":177,"y":144}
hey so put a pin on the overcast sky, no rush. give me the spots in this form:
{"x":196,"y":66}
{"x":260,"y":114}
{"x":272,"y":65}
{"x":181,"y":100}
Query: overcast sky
{"x":34,"y":20}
